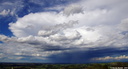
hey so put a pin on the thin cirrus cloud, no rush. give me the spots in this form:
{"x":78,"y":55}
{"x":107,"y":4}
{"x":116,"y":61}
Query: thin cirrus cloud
{"x":93,"y":24}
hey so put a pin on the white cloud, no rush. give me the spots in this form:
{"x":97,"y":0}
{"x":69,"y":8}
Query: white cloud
{"x":49,"y":27}
{"x":111,"y":58}
{"x":5,"y":12}
{"x":4,"y":38}
{"x":32,"y":23}
{"x":57,"y":28}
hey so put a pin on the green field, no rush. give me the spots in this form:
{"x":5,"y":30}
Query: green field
{"x":114,"y":65}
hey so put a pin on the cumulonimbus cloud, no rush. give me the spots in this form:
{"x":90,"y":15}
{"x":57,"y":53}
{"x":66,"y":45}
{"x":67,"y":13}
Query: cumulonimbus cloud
{"x":53,"y":30}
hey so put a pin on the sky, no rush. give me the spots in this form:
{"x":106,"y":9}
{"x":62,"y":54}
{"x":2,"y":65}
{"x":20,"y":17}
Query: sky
{"x":63,"y":31}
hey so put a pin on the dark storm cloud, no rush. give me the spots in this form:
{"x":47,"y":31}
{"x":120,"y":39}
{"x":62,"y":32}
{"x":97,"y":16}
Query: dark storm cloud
{"x":83,"y":56}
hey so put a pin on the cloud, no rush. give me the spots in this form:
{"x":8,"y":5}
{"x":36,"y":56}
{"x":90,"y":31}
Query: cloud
{"x":31,"y":24}
{"x":5,"y":12}
{"x":88,"y":55}
{"x":72,"y":9}
{"x":4,"y":38}
{"x":54,"y":29}
{"x":10,"y":7}
{"x":112,"y":58}
{"x":124,"y":25}
{"x":23,"y":50}
{"x":91,"y":26}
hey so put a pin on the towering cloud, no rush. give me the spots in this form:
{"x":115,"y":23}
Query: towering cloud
{"x":81,"y":27}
